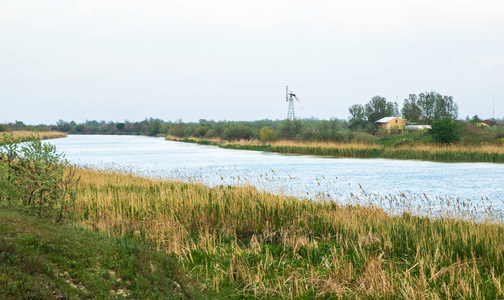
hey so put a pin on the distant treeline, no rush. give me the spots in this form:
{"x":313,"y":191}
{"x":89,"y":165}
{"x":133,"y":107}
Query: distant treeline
{"x":265,"y":130}
{"x":424,"y":108}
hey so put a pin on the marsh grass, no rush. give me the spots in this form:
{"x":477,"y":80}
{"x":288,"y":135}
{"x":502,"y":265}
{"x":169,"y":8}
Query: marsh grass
{"x":43,"y":135}
{"x":420,"y":151}
{"x":240,"y":242}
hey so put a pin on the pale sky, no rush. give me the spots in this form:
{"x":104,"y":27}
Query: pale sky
{"x":231,"y":59}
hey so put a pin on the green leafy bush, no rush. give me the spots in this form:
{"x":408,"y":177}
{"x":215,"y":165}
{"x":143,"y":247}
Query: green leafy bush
{"x":34,"y":176}
{"x":267,"y":134}
{"x":5,"y":128}
{"x":445,"y":131}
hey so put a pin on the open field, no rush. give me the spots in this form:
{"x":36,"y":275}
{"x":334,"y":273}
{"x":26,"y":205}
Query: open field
{"x":239,"y":242}
{"x":420,"y":151}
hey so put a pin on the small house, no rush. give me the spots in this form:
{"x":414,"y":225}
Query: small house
{"x":389,"y":124}
{"x":490,"y":123}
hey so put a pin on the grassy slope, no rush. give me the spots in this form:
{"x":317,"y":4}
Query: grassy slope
{"x":41,"y":260}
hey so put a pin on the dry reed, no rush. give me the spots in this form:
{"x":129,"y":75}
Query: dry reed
{"x":44,"y":135}
{"x":431,"y":152}
{"x":244,"y":243}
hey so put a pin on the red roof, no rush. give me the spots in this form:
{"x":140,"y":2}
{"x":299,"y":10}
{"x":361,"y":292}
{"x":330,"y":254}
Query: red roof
{"x":491,"y":123}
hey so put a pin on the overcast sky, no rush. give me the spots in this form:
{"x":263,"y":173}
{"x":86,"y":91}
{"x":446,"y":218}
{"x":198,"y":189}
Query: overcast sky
{"x":231,"y":59}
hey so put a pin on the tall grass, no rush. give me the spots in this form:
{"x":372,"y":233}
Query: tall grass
{"x":420,"y":151}
{"x":43,"y":135}
{"x":240,"y":242}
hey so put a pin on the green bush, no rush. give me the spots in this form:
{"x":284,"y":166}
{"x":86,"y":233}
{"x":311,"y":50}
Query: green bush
{"x":5,"y":128}
{"x":34,"y":176}
{"x":267,"y":134}
{"x":237,"y":131}
{"x":445,"y":131}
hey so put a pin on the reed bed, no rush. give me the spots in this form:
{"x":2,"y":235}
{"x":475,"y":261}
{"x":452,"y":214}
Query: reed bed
{"x":430,"y":152}
{"x":240,"y":242}
{"x":44,"y":135}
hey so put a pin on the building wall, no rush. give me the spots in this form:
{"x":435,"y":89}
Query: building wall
{"x":396,"y":122}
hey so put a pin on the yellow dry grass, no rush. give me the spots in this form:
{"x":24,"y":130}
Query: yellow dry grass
{"x":285,"y":143}
{"x":484,"y":148}
{"x":455,"y":148}
{"x":434,"y":152}
{"x":44,"y":135}
{"x":262,"y":245}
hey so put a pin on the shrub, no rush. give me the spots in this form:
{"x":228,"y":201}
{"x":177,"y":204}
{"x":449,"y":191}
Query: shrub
{"x":34,"y":176}
{"x":290,"y":129}
{"x":201,"y":131}
{"x":445,"y":131}
{"x":237,"y":131}
{"x":267,"y":134}
{"x":5,"y":128}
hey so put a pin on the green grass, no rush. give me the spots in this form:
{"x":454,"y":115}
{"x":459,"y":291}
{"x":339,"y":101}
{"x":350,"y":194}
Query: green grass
{"x":471,"y":134}
{"x":364,"y":137}
{"x":411,"y":138}
{"x":41,"y":260}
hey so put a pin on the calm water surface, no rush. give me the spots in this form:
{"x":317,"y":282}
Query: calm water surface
{"x":341,"y":179}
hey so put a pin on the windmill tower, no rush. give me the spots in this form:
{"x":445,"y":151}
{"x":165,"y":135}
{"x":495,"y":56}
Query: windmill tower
{"x":289,"y":97}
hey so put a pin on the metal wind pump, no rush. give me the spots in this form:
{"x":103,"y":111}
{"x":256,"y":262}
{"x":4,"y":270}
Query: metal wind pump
{"x":289,"y":97}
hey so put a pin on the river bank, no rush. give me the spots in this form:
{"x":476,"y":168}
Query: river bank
{"x":427,"y":152}
{"x":239,"y":242}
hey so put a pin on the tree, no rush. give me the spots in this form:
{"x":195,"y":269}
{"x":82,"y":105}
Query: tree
{"x":358,"y":117}
{"x":120,"y":126}
{"x":178,"y":129}
{"x":36,"y":177}
{"x":18,"y":125}
{"x":445,"y":131}
{"x":289,"y":129}
{"x":201,"y":131}
{"x":335,"y":126}
{"x":64,"y":126}
{"x":445,"y":108}
{"x":5,"y":128}
{"x":237,"y":131}
{"x":475,"y":120}
{"x":427,"y":103}
{"x":435,"y":106}
{"x":323,"y":131}
{"x":379,"y":108}
{"x":267,"y":134}
{"x":154,"y":127}
{"x":411,"y":111}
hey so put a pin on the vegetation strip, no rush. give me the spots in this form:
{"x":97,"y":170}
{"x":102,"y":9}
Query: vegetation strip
{"x":429,"y":152}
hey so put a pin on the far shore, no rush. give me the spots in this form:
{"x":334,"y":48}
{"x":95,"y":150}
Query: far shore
{"x":428,"y":152}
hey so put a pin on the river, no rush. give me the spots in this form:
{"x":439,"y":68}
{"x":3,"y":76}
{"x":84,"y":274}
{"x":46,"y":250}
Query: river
{"x":395,"y":185}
